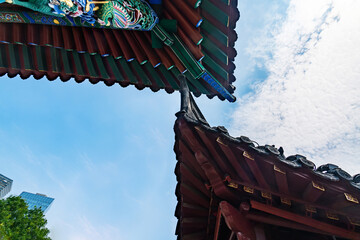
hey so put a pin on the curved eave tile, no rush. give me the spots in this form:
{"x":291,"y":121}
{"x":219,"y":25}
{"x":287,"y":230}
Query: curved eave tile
{"x":135,"y":45}
{"x":236,"y":169}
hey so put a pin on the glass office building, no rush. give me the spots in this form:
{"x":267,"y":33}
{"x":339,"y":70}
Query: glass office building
{"x":37,"y":200}
{"x":5,"y":185}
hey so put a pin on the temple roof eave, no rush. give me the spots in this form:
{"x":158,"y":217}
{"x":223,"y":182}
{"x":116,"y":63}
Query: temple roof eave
{"x":132,"y":64}
{"x":216,"y":166}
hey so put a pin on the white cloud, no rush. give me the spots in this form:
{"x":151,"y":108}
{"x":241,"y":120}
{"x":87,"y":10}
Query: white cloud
{"x":309,"y":103}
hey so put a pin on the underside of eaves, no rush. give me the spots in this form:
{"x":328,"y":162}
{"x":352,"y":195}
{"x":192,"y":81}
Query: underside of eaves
{"x":287,"y":196}
{"x":125,"y":57}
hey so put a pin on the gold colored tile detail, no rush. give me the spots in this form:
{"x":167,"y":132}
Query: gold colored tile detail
{"x":286,"y":201}
{"x":247,"y":155}
{"x":332,"y":216}
{"x":310,"y":208}
{"x":248,"y":189}
{"x":221,"y":142}
{"x":233,"y":185}
{"x":266,"y":195}
{"x":199,"y":129}
{"x":354,"y":221}
{"x":351,"y":198}
{"x":317,"y":186}
{"x":278,"y":170}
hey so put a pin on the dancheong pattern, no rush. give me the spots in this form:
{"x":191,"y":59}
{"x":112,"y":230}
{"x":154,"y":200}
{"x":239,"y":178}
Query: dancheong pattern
{"x":125,"y":14}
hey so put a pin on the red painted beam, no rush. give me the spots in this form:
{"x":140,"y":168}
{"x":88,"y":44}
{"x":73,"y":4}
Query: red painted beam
{"x":189,"y":159}
{"x":237,"y":222}
{"x":277,"y":221}
{"x":225,"y":167}
{"x":299,"y":200}
{"x":253,"y":165}
{"x":313,"y":192}
{"x":216,"y":181}
{"x":233,"y":161}
{"x":281,"y":180}
{"x":327,"y":228}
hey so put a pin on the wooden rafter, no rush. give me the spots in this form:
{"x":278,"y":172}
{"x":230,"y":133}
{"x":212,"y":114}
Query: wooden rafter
{"x":327,"y":228}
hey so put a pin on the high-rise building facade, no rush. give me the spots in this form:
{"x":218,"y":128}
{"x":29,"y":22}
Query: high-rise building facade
{"x":5,"y":185}
{"x":37,"y":200}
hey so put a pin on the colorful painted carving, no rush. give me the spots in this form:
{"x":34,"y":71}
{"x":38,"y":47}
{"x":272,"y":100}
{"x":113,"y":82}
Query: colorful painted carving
{"x":128,"y":14}
{"x":131,"y":14}
{"x":10,"y":17}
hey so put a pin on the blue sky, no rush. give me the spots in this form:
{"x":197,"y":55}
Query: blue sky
{"x":106,"y":153}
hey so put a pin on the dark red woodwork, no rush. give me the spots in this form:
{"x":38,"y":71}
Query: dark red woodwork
{"x":328,"y":228}
{"x":237,"y":222}
{"x":288,"y":200}
{"x":277,"y":221}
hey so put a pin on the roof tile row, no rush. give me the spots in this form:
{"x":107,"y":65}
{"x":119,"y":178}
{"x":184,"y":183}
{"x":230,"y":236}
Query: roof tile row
{"x":208,"y":38}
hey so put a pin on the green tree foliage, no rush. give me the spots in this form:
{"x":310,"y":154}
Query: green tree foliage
{"x":17,"y":222}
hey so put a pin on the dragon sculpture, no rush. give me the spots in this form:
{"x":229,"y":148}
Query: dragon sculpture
{"x":129,"y":14}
